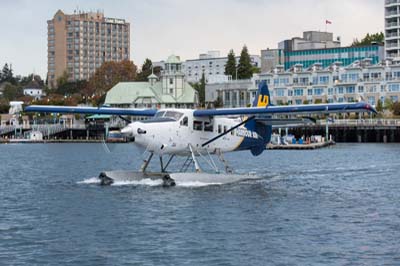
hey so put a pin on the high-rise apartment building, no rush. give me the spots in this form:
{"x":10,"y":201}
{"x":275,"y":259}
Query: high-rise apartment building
{"x":81,"y":42}
{"x":392,"y":28}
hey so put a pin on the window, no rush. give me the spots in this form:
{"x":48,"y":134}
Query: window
{"x":219,"y":129}
{"x":198,"y":125}
{"x":208,"y":126}
{"x":171,"y":81}
{"x":298,"y":92}
{"x":184,"y":121}
{"x":280,"y":92}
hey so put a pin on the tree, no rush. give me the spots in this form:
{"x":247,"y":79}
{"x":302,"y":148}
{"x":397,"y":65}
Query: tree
{"x":109,"y":74}
{"x":63,"y":79}
{"x":379,"y":106}
{"x":146,"y":70}
{"x":7,"y":74}
{"x":12,"y":92}
{"x":396,"y":108}
{"x":369,"y":39}
{"x":218,"y":102}
{"x":388,"y":104}
{"x":230,"y":67}
{"x":200,"y":87}
{"x":73,"y":87}
{"x":245,"y":68}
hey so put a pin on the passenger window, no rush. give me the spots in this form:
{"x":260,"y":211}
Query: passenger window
{"x":219,"y":129}
{"x":208,"y":126}
{"x":198,"y":125}
{"x":184,"y":121}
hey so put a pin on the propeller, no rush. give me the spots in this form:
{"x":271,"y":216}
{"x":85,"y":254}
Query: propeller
{"x":108,"y":144}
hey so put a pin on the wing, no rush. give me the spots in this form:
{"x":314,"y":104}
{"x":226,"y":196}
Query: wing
{"x":89,"y":110}
{"x":290,"y":110}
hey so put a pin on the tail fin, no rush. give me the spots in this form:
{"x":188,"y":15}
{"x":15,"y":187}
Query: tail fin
{"x":262,"y":98}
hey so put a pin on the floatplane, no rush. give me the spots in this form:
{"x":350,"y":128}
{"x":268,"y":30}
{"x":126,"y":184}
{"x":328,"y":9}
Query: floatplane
{"x":190,"y":133}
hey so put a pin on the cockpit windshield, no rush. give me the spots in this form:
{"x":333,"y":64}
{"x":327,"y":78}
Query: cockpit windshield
{"x":169,"y":114}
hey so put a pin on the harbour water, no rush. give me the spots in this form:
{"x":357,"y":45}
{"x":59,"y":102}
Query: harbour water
{"x":334,"y":206}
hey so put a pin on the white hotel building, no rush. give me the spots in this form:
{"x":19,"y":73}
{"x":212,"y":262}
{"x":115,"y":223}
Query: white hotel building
{"x":392,"y":28}
{"x":359,"y":81}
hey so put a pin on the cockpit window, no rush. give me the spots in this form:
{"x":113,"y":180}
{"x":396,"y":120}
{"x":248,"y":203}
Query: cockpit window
{"x":174,"y":115}
{"x":159,"y":114}
{"x":184,"y":121}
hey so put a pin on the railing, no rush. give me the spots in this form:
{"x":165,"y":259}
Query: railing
{"x":362,"y":122}
{"x":392,"y":13}
{"x":392,"y":24}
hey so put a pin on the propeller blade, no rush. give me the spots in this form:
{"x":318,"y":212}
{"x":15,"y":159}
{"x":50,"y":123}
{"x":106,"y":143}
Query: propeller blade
{"x":228,"y":131}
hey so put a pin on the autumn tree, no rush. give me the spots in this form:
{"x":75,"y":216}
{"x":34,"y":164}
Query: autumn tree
{"x":245,"y":68}
{"x":145,"y":71}
{"x":109,"y":74}
{"x":230,"y":67}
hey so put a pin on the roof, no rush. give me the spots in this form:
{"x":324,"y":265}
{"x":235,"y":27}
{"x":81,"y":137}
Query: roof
{"x":173,"y":59}
{"x":132,"y":92}
{"x":152,"y":76}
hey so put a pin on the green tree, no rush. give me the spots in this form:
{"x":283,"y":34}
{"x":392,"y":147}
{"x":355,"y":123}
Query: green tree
{"x":218,"y":102}
{"x":230,"y":67}
{"x":369,"y":39}
{"x":200,"y":87}
{"x":145,"y":71}
{"x":245,"y":68}
{"x":388,"y":104}
{"x":7,"y":74}
{"x":63,"y":79}
{"x":379,"y":106}
{"x":12,"y":92}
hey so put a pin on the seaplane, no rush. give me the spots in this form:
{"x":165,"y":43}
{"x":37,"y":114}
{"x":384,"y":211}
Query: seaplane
{"x":194,"y":133}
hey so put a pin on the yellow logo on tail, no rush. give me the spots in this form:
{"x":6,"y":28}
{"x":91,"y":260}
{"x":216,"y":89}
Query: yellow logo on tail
{"x":263,"y":101}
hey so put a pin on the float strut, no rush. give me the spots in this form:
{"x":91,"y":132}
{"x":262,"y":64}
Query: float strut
{"x":146,"y":163}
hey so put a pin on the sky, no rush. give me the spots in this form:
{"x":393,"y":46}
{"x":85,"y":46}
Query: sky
{"x":186,"y":28}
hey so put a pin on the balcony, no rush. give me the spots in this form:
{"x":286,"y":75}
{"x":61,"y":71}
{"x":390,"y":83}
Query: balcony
{"x":391,"y":2}
{"x":392,"y":25}
{"x":391,"y":13}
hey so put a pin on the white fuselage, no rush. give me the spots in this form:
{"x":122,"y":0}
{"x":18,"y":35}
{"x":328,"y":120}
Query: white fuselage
{"x":171,"y":131}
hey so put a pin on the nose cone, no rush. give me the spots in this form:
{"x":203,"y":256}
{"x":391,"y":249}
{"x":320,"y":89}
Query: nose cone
{"x":127,"y":131}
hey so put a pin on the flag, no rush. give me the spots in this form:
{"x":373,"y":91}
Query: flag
{"x":328,"y":22}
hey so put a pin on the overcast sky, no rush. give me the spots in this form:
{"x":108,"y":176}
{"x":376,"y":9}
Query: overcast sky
{"x":186,"y":27}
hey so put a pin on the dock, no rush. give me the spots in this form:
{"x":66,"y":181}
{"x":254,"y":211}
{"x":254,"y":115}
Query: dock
{"x":311,"y":146}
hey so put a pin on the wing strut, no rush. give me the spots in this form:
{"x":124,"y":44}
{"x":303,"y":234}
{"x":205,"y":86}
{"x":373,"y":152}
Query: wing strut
{"x":228,"y":131}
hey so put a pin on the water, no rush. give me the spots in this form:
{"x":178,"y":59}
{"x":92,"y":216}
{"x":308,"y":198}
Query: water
{"x":337,"y":206}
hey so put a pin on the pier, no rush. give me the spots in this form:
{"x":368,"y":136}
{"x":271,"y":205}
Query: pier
{"x":354,"y":130}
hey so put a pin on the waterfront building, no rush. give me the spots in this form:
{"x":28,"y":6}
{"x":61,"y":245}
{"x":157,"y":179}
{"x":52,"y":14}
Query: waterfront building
{"x":328,"y":56}
{"x":79,"y":43}
{"x":317,"y":47}
{"x":171,"y":91}
{"x":361,"y":80}
{"x":212,"y":65}
{"x":392,"y":28}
